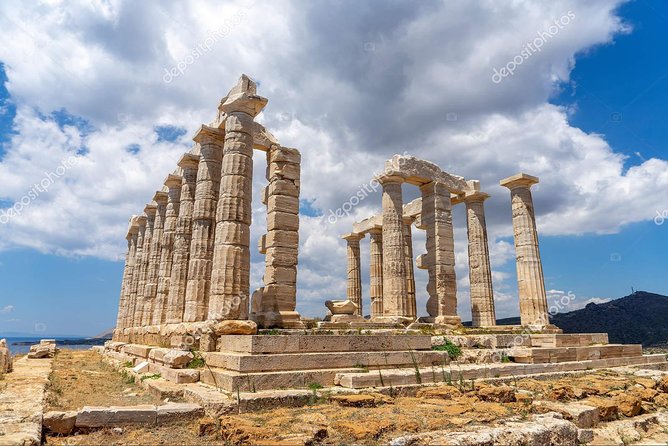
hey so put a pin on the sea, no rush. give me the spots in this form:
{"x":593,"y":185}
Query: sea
{"x":21,"y":349}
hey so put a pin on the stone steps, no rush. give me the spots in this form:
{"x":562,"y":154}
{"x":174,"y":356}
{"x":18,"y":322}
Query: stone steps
{"x":466,"y":372}
{"x":568,"y":340}
{"x":566,"y":354}
{"x":245,"y":363}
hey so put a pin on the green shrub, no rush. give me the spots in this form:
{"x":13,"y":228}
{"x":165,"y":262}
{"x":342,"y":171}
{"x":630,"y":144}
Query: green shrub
{"x":454,"y":351}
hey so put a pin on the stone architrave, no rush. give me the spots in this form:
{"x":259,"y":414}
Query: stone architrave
{"x":207,"y":188}
{"x":230,"y":276}
{"x":173,"y":183}
{"x":395,"y":293}
{"x":530,"y":280}
{"x":376,"y":271}
{"x":136,"y":272}
{"x":150,"y":211}
{"x":440,"y":258}
{"x":128,"y":271}
{"x":275,"y":304}
{"x":151,"y":287}
{"x":176,"y":300}
{"x":480,"y":271}
{"x":410,"y":271}
{"x":354,"y":288}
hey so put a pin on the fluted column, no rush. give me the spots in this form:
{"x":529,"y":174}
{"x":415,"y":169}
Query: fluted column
{"x":354,"y":288}
{"x":410,"y":270}
{"x":230,"y":277}
{"x":395,"y":293}
{"x":207,"y":188}
{"x":128,"y":271}
{"x":480,"y":271}
{"x":150,"y":211}
{"x":376,"y":271}
{"x":151,"y":287}
{"x":176,"y":300}
{"x":440,"y":257}
{"x":136,"y":273}
{"x":173,"y":183}
{"x":530,"y":281}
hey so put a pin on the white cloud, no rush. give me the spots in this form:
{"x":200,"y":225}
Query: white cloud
{"x":7,"y":309}
{"x":349,"y":84}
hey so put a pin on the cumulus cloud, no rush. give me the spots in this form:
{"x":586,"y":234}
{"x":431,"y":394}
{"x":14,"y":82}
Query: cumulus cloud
{"x":349,"y":84}
{"x":7,"y":309}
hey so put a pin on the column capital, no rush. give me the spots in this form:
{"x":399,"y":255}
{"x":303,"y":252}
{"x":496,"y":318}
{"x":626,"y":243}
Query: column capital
{"x":133,"y":227}
{"x":141,"y":221}
{"x":475,"y":197}
{"x":436,"y":187}
{"x":208,"y":134}
{"x":173,"y":181}
{"x":188,"y":160}
{"x":519,"y":180}
{"x":160,"y":197}
{"x":243,"y":98}
{"x":408,"y":220}
{"x":377,"y":229}
{"x":150,"y":209}
{"x":384,"y":179}
{"x":352,"y":237}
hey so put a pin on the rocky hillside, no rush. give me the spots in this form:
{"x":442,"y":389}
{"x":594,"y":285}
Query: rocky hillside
{"x":640,"y":318}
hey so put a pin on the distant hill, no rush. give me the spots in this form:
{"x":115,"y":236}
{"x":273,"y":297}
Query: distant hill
{"x":640,"y":318}
{"x":104,"y":335}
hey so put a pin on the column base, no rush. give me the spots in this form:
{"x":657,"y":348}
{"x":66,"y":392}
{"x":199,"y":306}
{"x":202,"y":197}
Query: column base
{"x":278,"y":319}
{"x":403,"y":320}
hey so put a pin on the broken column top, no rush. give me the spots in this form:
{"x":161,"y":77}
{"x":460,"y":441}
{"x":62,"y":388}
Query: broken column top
{"x":243,"y":98}
{"x":519,"y":180}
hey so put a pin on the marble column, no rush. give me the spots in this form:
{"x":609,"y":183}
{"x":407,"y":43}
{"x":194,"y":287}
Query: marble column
{"x":480,"y":271}
{"x":440,"y":257}
{"x":150,"y":211}
{"x":173,"y":183}
{"x":153,"y":270}
{"x":136,"y":272}
{"x":530,"y":281}
{"x":230,"y":277}
{"x":395,"y":292}
{"x":410,"y":270}
{"x":128,"y":271}
{"x":275,"y":303}
{"x":207,"y":187}
{"x":176,"y":300}
{"x":354,"y":288}
{"x":376,"y":271}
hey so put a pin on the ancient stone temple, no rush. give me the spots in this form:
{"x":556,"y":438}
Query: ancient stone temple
{"x":187,"y":266}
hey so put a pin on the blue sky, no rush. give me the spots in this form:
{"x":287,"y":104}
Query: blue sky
{"x":347,"y":104}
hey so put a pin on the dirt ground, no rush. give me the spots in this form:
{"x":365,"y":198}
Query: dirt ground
{"x":362,"y":419}
{"x":80,"y":378}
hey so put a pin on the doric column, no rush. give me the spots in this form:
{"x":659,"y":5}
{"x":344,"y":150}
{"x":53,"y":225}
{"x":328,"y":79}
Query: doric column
{"x":173,"y":183}
{"x":440,"y":257}
{"x":230,"y":276}
{"x":176,"y":300}
{"x":150,"y":211}
{"x":136,"y":273}
{"x":480,"y":272}
{"x":354,"y":289}
{"x":376,"y":271}
{"x":275,"y":303}
{"x":128,"y":271}
{"x":211,"y":142}
{"x":530,"y":281}
{"x":395,"y":293}
{"x":410,"y":271}
{"x":151,"y":287}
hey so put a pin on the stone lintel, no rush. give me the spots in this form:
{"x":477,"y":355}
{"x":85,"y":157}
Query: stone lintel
{"x":413,"y":209}
{"x":471,"y":197}
{"x":263,"y":139}
{"x":519,"y":180}
{"x":367,"y":224}
{"x":419,"y":172}
{"x":160,"y":197}
{"x":352,"y":237}
{"x":188,"y":160}
{"x":173,"y":180}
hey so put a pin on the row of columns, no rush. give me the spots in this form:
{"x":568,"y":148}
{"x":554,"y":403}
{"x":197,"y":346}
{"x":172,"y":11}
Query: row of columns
{"x":188,"y":257}
{"x":392,"y":283}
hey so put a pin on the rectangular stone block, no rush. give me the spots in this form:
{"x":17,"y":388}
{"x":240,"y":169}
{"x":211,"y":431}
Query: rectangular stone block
{"x":290,"y":171}
{"x":173,"y":412}
{"x":283,"y":203}
{"x":91,"y":416}
{"x":262,"y":344}
{"x":282,"y":187}
{"x":280,"y":256}
{"x":141,"y":351}
{"x":282,"y":221}
{"x":284,"y":154}
{"x":280,"y":274}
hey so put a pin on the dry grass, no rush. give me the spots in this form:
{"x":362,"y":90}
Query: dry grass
{"x":174,"y":434}
{"x":80,"y":378}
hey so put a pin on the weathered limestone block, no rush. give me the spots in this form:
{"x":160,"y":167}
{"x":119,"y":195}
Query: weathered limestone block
{"x":91,"y":416}
{"x":281,"y":187}
{"x":207,"y":190}
{"x":5,"y":357}
{"x":236,"y":327}
{"x":282,"y":221}
{"x":61,"y":423}
{"x":173,"y":183}
{"x":283,"y":203}
{"x":415,"y":171}
{"x":354,"y":288}
{"x":151,"y":287}
{"x":530,"y":280}
{"x":282,"y":256}
{"x":280,"y":274}
{"x":376,"y":271}
{"x":176,"y":301}
{"x":278,"y":238}
{"x":480,"y":271}
{"x":342,"y":306}
{"x":175,"y":412}
{"x":284,"y":170}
